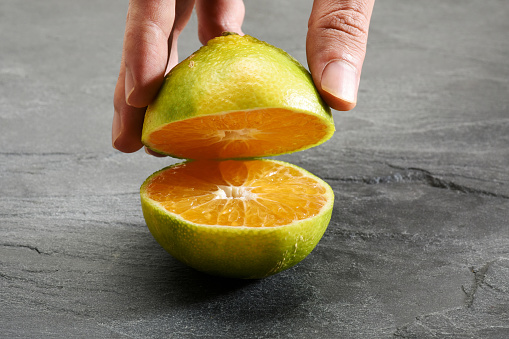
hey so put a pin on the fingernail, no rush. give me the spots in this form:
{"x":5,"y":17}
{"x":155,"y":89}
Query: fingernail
{"x":129,"y":85}
{"x":115,"y":129}
{"x":340,"y":79}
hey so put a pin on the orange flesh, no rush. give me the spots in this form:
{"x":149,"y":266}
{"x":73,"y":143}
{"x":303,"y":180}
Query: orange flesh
{"x":241,"y":134}
{"x":237,"y":193}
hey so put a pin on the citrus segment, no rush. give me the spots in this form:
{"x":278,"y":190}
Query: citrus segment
{"x":236,"y":97}
{"x":245,"y":219}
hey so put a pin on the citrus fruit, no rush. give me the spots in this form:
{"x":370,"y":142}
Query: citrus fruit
{"x":236,"y":97}
{"x":237,"y":218}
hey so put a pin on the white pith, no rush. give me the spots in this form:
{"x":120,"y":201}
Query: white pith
{"x":237,"y":134}
{"x":234,"y":192}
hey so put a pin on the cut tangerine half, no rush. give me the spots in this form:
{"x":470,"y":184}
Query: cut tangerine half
{"x":236,"y":97}
{"x":244,"y":219}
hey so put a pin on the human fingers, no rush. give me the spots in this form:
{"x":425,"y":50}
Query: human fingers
{"x":336,"y":47}
{"x":218,"y":16}
{"x":148,"y":28}
{"x":144,"y":60}
{"x":126,"y":130}
{"x":183,"y":11}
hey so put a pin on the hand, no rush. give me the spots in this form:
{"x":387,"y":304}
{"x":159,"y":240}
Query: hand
{"x":150,"y":51}
{"x":336,"y":46}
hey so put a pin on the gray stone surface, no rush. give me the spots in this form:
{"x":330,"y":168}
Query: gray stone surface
{"x":418,"y":246}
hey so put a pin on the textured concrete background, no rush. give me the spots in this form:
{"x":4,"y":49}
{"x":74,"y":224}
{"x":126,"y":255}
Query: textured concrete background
{"x":418,"y":246}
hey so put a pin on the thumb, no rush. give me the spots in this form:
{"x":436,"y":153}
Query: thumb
{"x":336,"y":46}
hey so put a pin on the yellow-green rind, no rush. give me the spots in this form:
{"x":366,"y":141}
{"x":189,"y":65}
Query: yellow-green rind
{"x":236,"y":252}
{"x":233,"y":73}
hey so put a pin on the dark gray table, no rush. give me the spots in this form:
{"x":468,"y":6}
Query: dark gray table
{"x":418,"y":246}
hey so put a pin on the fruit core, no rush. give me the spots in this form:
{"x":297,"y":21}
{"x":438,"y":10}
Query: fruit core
{"x":234,"y":192}
{"x":237,"y":134}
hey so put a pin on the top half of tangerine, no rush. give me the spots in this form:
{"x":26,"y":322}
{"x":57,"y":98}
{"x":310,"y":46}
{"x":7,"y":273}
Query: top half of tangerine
{"x":236,"y":97}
